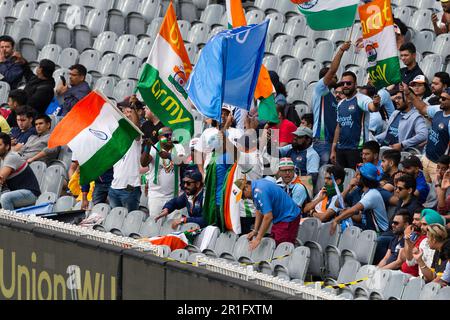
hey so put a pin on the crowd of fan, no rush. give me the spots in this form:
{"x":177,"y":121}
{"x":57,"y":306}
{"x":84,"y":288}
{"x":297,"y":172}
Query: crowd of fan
{"x":346,"y":129}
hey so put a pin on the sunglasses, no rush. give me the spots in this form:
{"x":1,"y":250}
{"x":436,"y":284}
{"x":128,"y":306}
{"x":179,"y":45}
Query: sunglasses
{"x":346,"y":83}
{"x":395,"y":223}
{"x":416,"y":84}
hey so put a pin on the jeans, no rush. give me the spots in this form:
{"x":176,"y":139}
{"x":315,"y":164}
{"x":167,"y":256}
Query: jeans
{"x":16,"y":199}
{"x":124,"y":198}
{"x":383,"y":242}
{"x":100,"y":193}
{"x":323,"y":148}
{"x":348,"y":158}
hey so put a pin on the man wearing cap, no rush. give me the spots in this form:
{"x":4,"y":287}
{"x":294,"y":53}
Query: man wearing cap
{"x":353,"y":117}
{"x":374,"y":216}
{"x":413,"y":167}
{"x":324,"y":106}
{"x":439,"y":133}
{"x":302,"y":153}
{"x":444,"y":25}
{"x":164,"y":170}
{"x":291,"y":183}
{"x":191,"y":199}
{"x":420,"y":86}
{"x":406,"y":128}
{"x":40,"y":86}
{"x":79,"y":88}
{"x":408,"y":57}
{"x":273,"y":205}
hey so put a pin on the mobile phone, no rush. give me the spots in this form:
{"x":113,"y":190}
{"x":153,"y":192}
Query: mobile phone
{"x":63,"y":80}
{"x":413,"y":237}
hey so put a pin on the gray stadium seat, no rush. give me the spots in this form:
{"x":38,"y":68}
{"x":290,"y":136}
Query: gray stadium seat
{"x":265,"y":5}
{"x":82,"y":38}
{"x":217,"y":29}
{"x":224,"y":244}
{"x":298,"y":265}
{"x":212,"y":14}
{"x":396,"y":285}
{"x":255,"y":16}
{"x":286,"y":7}
{"x":28,"y":49}
{"x":74,"y":16}
{"x":324,"y":51}
{"x":283,"y":249}
{"x":124,"y":89}
{"x":143,"y":47}
{"x":365,"y":246}
{"x":101,"y":4}
{"x":62,"y":35}
{"x":64,"y":204}
{"x":290,"y":69}
{"x":188,"y":11}
{"x":96,"y":21}
{"x":295,"y":26}
{"x":443,"y":294}
{"x":127,"y":6}
{"x":349,"y":238}
{"x":109,"y":64}
{"x":413,"y":289}
{"x":310,"y":71}
{"x":241,"y":251}
{"x":24,"y":9}
{"x":282,"y":46}
{"x":39,"y":168}
{"x":325,"y":239}
{"x":153,"y":27}
{"x":68,"y":57}
{"x":309,"y":91}
{"x":125,"y":44}
{"x":337,"y":36}
{"x":199,"y":33}
{"x":430,"y":291}
{"x":272,"y":62}
{"x":53,"y":179}
{"x":41,"y":34}
{"x":113,"y":220}
{"x":46,"y":197}
{"x":150,"y":9}
{"x":308,"y":230}
{"x":149,"y":228}
{"x":192,"y":50}
{"x":295,"y":90}
{"x":116,"y":22}
{"x":20,"y":29}
{"x":264,"y":251}
{"x":421,"y":20}
{"x":424,"y":41}
{"x":348,"y":272}
{"x":105,"y":42}
{"x":60,"y":72}
{"x":128,"y":68}
{"x":179,"y":255}
{"x":441,"y":45}
{"x":276,"y":25}
{"x":132,"y":223}
{"x":101,"y":209}
{"x":184,"y":27}
{"x":165,"y":250}
{"x":90,"y":59}
{"x":404,"y":14}
{"x":431,"y":64}
{"x":407,"y":3}
{"x":135,"y":24}
{"x":6,"y":8}
{"x":198,"y":240}
{"x":106,"y":85}
{"x":303,"y":49}
{"x":47,"y":12}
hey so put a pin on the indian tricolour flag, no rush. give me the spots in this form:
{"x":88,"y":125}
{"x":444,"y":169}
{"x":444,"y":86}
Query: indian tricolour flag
{"x":379,"y":42}
{"x":264,"y":88}
{"x":329,"y":14}
{"x":97,"y":133}
{"x":164,"y":76}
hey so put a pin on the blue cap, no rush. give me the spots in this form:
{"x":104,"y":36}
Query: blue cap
{"x":370,"y":171}
{"x":193,"y":174}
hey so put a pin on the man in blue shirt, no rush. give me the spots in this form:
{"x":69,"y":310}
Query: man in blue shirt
{"x":291,"y":183}
{"x":302,"y":153}
{"x":24,"y":129}
{"x":273,"y":205}
{"x":324,"y":106}
{"x":353,"y":118}
{"x":413,"y":167}
{"x":438,"y":137}
{"x":11,"y":71}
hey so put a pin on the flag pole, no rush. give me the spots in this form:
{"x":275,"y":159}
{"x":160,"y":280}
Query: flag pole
{"x":351,"y":30}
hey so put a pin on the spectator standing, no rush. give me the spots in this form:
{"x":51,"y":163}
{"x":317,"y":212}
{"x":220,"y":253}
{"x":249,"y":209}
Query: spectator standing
{"x":408,"y":57}
{"x":79,"y":88}
{"x":286,"y":128}
{"x":441,"y":81}
{"x":17,"y":99}
{"x":280,"y":89}
{"x":17,"y":177}
{"x":413,"y":167}
{"x":10,"y":70}
{"x":24,"y":129}
{"x":442,"y":26}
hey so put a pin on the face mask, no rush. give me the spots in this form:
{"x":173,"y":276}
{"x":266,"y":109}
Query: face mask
{"x":331,"y":191}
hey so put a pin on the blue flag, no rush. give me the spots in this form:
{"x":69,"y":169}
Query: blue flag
{"x":227,"y":70}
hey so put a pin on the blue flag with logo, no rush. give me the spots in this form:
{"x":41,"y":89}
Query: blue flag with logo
{"x":228,"y":69}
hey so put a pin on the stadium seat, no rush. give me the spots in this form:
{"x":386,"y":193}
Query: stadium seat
{"x":224,"y":244}
{"x":106,"y":85}
{"x":290,"y":69}
{"x":24,"y":9}
{"x":441,"y":45}
{"x":395,"y":286}
{"x":113,"y":220}
{"x":132,"y":223}
{"x":164,"y":251}
{"x":127,"y":6}
{"x":64,"y":204}
{"x":421,"y":20}
{"x":143,"y":47}
{"x":337,"y":36}
{"x":285,"y":7}
{"x":365,"y":246}
{"x":297,"y":266}
{"x":265,"y":5}
{"x":309,"y":92}
{"x":101,"y":4}
{"x":125,"y":44}
{"x":192,"y":50}
{"x":20,"y":29}
{"x":198,"y":245}
{"x":193,"y":257}
{"x":150,"y":9}
{"x":349,"y":238}
{"x":348,"y":272}
{"x":166,"y":226}
{"x":272,"y":63}
{"x":135,"y":24}
{"x":254,"y":16}
{"x":82,"y":39}
{"x":264,"y":251}
{"x":323,"y":52}
{"x":443,"y":294}
{"x":281,"y":256}
{"x":153,"y":27}
{"x":68,"y":57}
{"x":413,"y":289}
{"x":282,"y":46}
{"x":184,"y":27}
{"x":241,"y":251}
{"x":90,"y":59}
{"x":310,"y":72}
{"x":408,"y":3}
{"x":276,"y":25}
{"x":430,"y":291}
{"x":217,"y":29}
{"x":39,"y":168}
{"x":109,"y":64}
{"x":295,"y":90}
{"x":47,"y":12}
{"x":295,"y":26}
{"x":101,"y":208}
{"x":149,"y":228}
{"x":129,"y":67}
{"x":6,"y":8}
{"x":62,"y":35}
{"x":53,"y":179}
{"x":188,"y":11}
{"x":124,"y":89}
{"x":431,"y":64}
{"x":424,"y":41}
{"x":212,"y":14}
{"x":199,"y":33}
{"x":46,"y":197}
{"x":179,"y":255}
{"x":404,"y":14}
{"x":41,"y":34}
{"x":28,"y":49}
{"x":308,"y":230}
{"x":96,"y":21}
{"x":74,"y":16}
{"x":105,"y":42}
{"x":116,"y":22}
{"x":303,"y":49}
{"x":60,"y":72}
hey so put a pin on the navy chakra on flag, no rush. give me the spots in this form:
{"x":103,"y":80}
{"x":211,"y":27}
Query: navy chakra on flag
{"x":99,"y":134}
{"x":309,"y":4}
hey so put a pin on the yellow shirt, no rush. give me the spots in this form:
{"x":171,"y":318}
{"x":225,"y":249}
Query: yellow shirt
{"x":4,"y":125}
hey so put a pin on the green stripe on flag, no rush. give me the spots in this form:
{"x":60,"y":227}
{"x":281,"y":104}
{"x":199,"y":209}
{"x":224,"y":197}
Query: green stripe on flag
{"x":163,"y":102}
{"x":341,"y":17}
{"x":267,"y":110}
{"x":110,"y":153}
{"x":385,"y":72}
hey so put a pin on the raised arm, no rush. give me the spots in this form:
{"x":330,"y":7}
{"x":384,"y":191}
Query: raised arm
{"x":328,"y":78}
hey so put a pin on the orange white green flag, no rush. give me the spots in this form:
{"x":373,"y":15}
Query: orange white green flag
{"x":97,"y":133}
{"x":264,"y":88}
{"x":165,"y":75}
